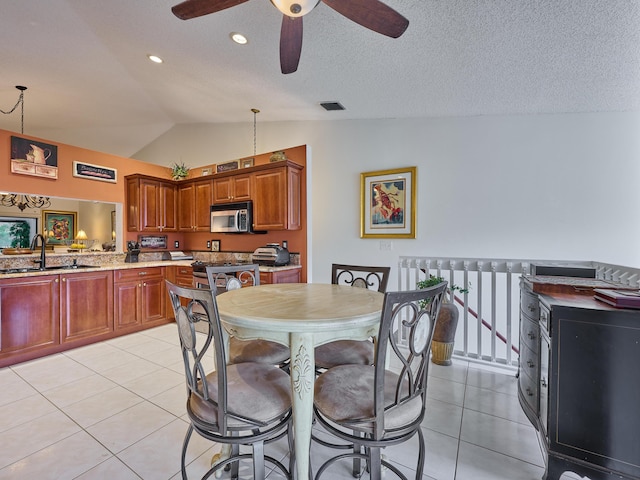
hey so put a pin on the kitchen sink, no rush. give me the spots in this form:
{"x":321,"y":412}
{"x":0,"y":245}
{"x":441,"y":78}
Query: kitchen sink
{"x":70,"y":267}
{"x":19,"y":270}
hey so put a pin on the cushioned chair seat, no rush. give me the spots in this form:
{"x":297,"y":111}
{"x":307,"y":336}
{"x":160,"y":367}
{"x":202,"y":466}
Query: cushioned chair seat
{"x":261,"y":351}
{"x":344,"y":352}
{"x":344,"y":394}
{"x":257,"y":391}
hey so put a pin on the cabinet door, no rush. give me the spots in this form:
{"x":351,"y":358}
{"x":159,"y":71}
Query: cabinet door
{"x":29,"y":314}
{"x":203,"y":192}
{"x":87,"y":304}
{"x":153,"y":302}
{"x":236,"y":188}
{"x":168,"y":198}
{"x":149,"y":206}
{"x":186,"y":200}
{"x":223,"y":190}
{"x":127,"y":300}
{"x":270,"y":200}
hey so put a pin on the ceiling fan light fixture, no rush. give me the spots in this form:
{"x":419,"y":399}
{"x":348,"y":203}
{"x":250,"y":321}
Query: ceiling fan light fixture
{"x":239,"y":38}
{"x":295,"y":8}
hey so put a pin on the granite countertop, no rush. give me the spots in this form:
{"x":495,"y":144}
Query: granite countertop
{"x":84,"y":260}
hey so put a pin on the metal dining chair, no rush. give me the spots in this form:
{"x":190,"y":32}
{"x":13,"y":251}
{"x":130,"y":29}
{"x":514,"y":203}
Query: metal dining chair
{"x":241,"y":404}
{"x":229,"y":277}
{"x":371,"y":407}
{"x":360,"y":352}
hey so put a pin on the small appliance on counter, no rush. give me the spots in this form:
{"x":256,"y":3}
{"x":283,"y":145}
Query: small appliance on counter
{"x":272,"y":255}
{"x":133,"y":250}
{"x":176,"y":255}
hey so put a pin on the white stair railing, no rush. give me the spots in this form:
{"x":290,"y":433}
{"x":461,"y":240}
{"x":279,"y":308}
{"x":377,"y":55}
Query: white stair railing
{"x":489,"y":322}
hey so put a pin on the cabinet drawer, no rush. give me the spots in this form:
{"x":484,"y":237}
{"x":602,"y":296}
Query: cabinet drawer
{"x":529,"y":333}
{"x":529,"y":391}
{"x":137,"y":273}
{"x":529,"y":305}
{"x":529,"y":362}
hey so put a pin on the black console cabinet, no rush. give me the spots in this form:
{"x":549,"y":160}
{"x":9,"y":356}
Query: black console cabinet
{"x":588,"y":411}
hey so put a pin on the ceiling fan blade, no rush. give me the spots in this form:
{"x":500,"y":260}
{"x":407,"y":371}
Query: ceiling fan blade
{"x":197,"y":8}
{"x":372,"y":14}
{"x":290,"y":43}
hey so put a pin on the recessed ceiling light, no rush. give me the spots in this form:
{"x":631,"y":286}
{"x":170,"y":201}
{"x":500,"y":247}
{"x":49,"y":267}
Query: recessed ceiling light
{"x":238,"y":38}
{"x":154,"y":58}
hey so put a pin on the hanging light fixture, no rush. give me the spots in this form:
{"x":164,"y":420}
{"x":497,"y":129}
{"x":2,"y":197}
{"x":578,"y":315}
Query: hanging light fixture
{"x":255,"y":112}
{"x":21,"y":103}
{"x":295,"y":8}
{"x":24,"y":201}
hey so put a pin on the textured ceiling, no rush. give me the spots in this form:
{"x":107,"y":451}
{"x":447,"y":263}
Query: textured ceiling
{"x":90,"y":83}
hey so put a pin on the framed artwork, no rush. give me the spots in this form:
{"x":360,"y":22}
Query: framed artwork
{"x":388,"y":203}
{"x":215,"y":245}
{"x":95,"y":172}
{"x":226,"y":167}
{"x":29,"y":157}
{"x":247,"y":162}
{"x":59,"y":227}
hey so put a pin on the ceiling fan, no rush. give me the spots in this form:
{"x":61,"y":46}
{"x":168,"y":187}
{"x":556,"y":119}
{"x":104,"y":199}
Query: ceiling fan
{"x":371,"y":14}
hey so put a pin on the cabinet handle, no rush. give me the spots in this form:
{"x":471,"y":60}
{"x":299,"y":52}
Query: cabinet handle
{"x":55,"y":281}
{"x":531,"y":335}
{"x":140,"y":285}
{"x":64,"y":279}
{"x":142,"y":273}
{"x":529,"y":392}
{"x":531,"y":307}
{"x":144,"y":284}
{"x":530,"y":364}
{"x":543,"y":382}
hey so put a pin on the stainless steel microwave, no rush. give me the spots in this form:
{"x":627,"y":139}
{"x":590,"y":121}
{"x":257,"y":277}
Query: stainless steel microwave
{"x":231,"y":217}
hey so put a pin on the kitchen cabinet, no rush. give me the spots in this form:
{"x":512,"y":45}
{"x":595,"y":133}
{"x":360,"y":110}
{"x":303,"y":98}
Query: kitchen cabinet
{"x":194,"y":200}
{"x":151,"y":204}
{"x":576,"y":383}
{"x":281,"y":276}
{"x":139,"y":297}
{"x":86,"y":301}
{"x":235,"y":188}
{"x":183,"y":277}
{"x":29,"y":316}
{"x":276,"y":195}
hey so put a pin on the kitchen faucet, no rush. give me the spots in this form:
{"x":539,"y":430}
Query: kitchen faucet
{"x":42,"y":260}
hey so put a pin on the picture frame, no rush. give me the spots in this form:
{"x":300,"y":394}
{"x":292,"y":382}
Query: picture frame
{"x":30,"y":157}
{"x":246,"y":162}
{"x":227,"y":167}
{"x":388,"y":203}
{"x":59,"y":227}
{"x":95,"y":172}
{"x":215,"y":245}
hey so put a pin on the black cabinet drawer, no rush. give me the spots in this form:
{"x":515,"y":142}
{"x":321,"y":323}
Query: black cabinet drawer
{"x":529,"y":333}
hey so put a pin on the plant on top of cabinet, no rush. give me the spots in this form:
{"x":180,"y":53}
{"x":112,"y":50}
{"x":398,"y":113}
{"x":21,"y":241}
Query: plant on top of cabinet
{"x":179,"y":171}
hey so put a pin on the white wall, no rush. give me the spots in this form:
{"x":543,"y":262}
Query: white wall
{"x":544,"y":186}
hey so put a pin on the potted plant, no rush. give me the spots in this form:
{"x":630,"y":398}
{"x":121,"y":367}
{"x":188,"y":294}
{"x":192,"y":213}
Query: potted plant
{"x":445,"y":331}
{"x":179,"y":171}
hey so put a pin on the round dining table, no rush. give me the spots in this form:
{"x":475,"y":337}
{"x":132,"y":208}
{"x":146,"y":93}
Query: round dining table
{"x":302,"y":316}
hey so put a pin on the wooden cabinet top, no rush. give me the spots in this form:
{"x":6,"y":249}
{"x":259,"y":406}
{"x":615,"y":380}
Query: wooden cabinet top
{"x":230,"y":173}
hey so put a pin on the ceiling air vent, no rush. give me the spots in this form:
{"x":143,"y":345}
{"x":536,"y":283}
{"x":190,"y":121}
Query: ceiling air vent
{"x":330,"y":106}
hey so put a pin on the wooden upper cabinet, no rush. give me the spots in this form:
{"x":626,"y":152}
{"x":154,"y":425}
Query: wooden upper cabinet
{"x":151,"y":205}
{"x":194,"y":199}
{"x":276,"y":195}
{"x":236,"y":188}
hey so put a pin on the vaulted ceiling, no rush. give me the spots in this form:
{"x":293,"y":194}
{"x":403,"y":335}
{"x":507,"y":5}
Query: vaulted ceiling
{"x":90,"y":83}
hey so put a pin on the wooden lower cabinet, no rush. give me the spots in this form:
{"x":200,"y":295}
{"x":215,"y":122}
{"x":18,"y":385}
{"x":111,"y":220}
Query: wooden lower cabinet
{"x":87,"y":305}
{"x":139,"y":297}
{"x":29,"y":315}
{"x":281,"y":276}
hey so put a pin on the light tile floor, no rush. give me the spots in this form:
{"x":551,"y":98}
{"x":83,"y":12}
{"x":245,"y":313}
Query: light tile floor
{"x":116,"y":410}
